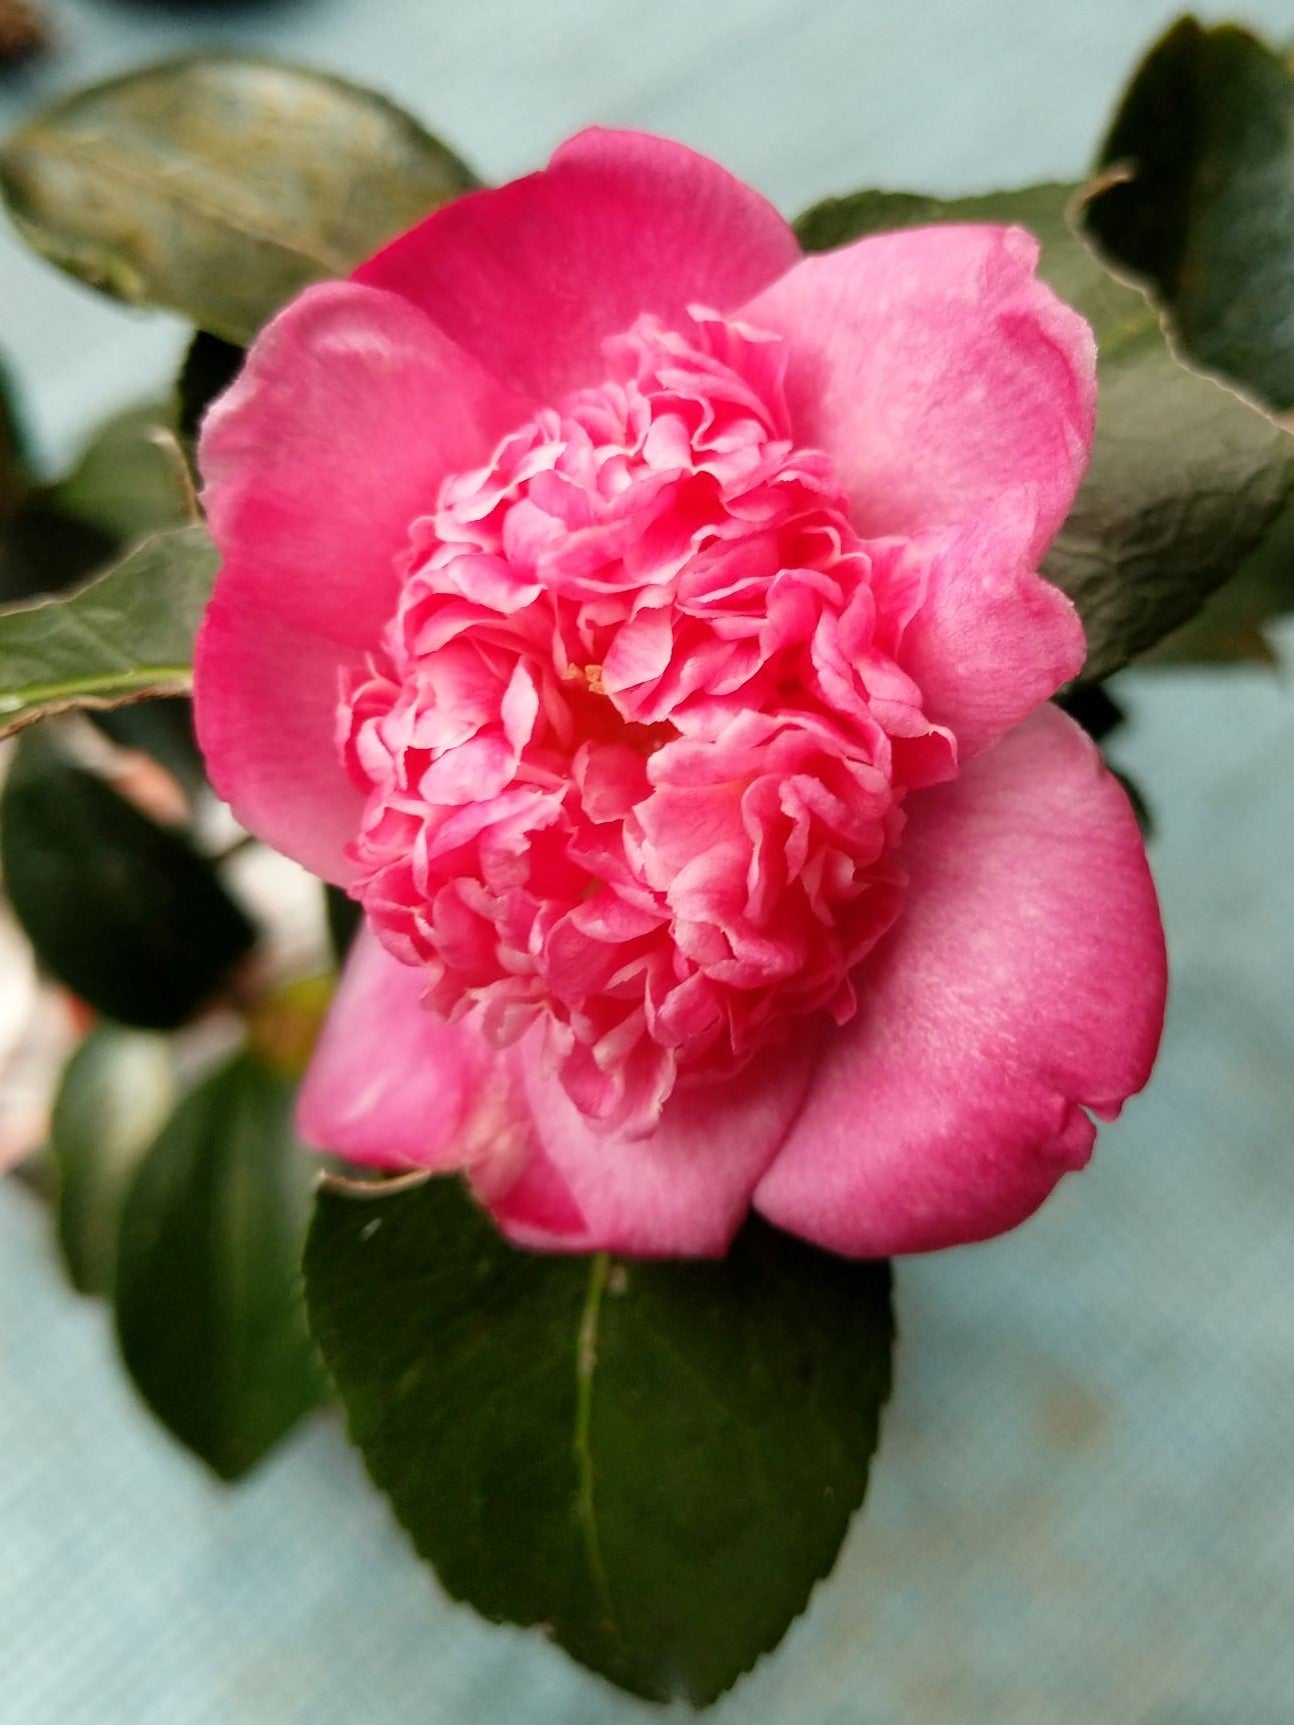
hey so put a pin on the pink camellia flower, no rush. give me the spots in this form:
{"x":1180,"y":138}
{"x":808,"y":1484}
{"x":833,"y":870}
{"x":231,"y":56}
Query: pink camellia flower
{"x":641,"y":621}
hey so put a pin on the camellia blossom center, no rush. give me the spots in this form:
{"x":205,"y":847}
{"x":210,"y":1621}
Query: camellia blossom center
{"x":635,"y":744}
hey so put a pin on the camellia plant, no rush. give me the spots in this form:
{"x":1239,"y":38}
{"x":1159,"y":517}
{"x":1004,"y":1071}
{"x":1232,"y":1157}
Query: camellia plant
{"x":677,"y":638}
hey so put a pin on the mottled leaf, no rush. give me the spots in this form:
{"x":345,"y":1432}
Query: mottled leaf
{"x":219,"y":185}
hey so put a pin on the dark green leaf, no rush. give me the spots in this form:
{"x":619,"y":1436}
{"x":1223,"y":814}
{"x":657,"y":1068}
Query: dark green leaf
{"x":125,"y":637}
{"x":1207,"y":217}
{"x":654,"y":1461}
{"x":208,"y":1298}
{"x":210,"y":366}
{"x":122,"y":911}
{"x":1186,"y":476}
{"x":218,"y":186}
{"x":116,"y":1092}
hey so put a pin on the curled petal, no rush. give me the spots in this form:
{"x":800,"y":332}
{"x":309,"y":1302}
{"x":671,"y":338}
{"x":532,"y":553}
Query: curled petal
{"x":682,"y":1191}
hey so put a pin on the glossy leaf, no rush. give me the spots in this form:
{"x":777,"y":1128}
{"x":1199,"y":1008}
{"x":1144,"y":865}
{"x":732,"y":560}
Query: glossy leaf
{"x":653,"y":1461}
{"x":126,"y":636}
{"x":1206,"y":134}
{"x":1186,"y":476}
{"x":220,"y":185}
{"x":121,"y":910}
{"x":208,"y":1303}
{"x":115,"y":1094}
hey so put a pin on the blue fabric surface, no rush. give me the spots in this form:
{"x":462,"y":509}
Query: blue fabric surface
{"x":1084,"y":1506}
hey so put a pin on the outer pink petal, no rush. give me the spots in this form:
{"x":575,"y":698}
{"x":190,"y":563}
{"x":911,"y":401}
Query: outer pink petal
{"x":990,"y":639}
{"x":1024,"y":982}
{"x":349,"y":411}
{"x":390,"y":1084}
{"x":266,"y":704}
{"x":532,"y":277}
{"x":681,"y":1192}
{"x":938,"y":372}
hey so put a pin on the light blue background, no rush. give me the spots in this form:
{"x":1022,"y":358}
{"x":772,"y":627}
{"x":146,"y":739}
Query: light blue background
{"x":1084,"y":1507}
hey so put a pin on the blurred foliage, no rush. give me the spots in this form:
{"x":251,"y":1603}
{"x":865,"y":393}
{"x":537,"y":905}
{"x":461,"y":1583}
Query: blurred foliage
{"x":23,"y":32}
{"x":123,"y":911}
{"x":115,"y":1094}
{"x":130,"y":480}
{"x":162,"y":728}
{"x":207,"y":1293}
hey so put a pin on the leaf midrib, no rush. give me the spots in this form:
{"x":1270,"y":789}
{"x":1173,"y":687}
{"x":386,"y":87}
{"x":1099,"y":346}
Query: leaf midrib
{"x":586,"y":1359}
{"x":14,"y":701}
